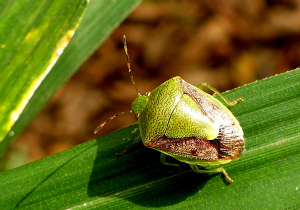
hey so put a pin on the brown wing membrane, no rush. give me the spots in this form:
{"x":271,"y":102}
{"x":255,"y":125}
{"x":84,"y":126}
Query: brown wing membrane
{"x":200,"y":148}
{"x":230,"y":145}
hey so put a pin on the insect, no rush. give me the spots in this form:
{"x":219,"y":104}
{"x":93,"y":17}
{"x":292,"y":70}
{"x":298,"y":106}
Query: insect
{"x":181,"y":121}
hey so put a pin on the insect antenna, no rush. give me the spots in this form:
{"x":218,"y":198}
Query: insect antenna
{"x":109,"y":119}
{"x":133,"y":82}
{"x":128,"y":65}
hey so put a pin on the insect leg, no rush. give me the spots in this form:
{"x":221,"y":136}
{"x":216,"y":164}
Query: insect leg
{"x":163,"y":160}
{"x":130,"y":146}
{"x":201,"y":86}
{"x":217,"y":170}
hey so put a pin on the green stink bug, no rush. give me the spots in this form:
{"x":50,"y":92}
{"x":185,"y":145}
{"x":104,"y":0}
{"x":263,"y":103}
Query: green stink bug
{"x":182,"y":121}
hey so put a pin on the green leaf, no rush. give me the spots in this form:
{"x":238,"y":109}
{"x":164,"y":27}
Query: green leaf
{"x":33,"y":35}
{"x":100,"y":19}
{"x":89,"y":175}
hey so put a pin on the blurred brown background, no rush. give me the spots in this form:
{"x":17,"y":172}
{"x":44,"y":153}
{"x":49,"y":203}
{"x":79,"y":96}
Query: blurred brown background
{"x":226,"y":43}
